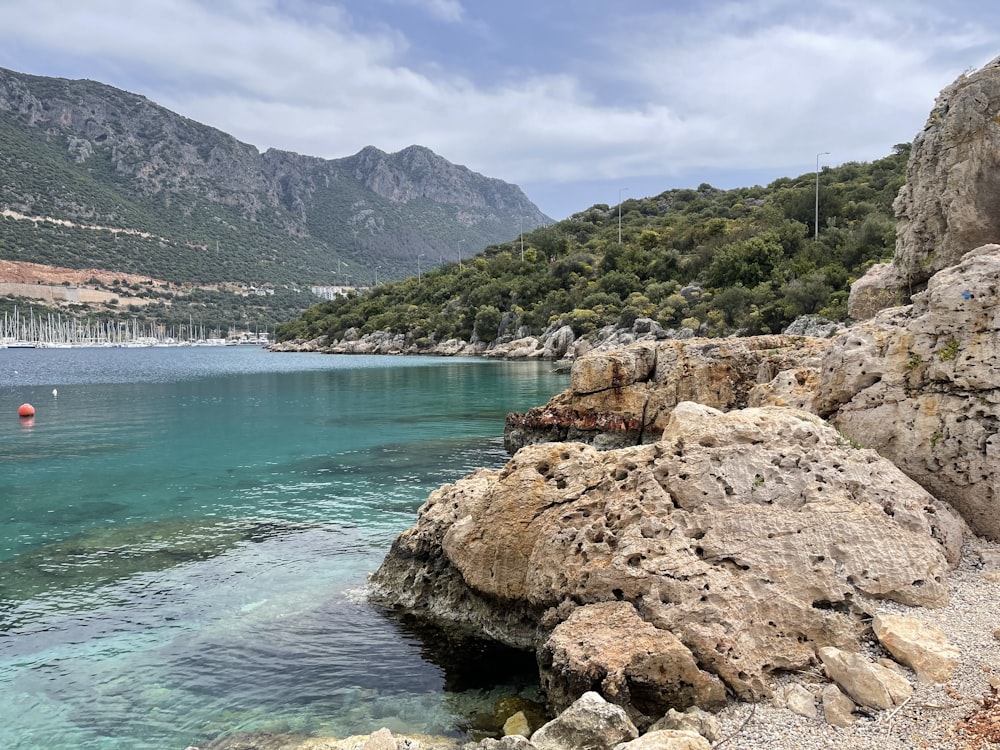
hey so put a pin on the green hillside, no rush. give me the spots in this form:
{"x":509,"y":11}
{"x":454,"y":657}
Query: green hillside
{"x":715,"y":261}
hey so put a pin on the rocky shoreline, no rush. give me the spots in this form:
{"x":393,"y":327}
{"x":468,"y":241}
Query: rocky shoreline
{"x":782,"y":542}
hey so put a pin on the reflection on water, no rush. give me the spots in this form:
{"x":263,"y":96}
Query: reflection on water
{"x":185,"y":538}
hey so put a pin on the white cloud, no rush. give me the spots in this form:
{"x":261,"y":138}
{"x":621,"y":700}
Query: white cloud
{"x":730,"y":85}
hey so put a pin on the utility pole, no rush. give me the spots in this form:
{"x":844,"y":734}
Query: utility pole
{"x":620,"y":214}
{"x":816,"y":224}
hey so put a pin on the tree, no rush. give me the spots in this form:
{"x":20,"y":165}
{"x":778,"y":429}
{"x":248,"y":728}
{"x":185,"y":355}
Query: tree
{"x":487,"y":325}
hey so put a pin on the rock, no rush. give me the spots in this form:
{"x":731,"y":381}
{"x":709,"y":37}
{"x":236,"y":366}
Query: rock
{"x":799,"y":700}
{"x":866,"y":682}
{"x":923,"y":648}
{"x":510,"y":742}
{"x":558,"y":343}
{"x":517,"y":724}
{"x":590,"y":722}
{"x":380,"y":740}
{"x":624,"y":396}
{"x":667,"y":739}
{"x":748,"y":535}
{"x":813,"y":326}
{"x":921,"y":385}
{"x":608,"y":648}
{"x":878,"y":289}
{"x":948,"y":205}
{"x":383,"y":739}
{"x":838,"y":709}
{"x":693,"y":719}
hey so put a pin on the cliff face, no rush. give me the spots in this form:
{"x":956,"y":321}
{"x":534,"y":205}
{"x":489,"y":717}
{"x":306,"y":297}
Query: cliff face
{"x":950,"y":203}
{"x":118,"y":159}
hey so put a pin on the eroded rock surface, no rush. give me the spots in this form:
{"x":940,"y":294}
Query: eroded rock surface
{"x":624,"y":396}
{"x":921,"y":385}
{"x":752,"y":536}
{"x":950,"y":202}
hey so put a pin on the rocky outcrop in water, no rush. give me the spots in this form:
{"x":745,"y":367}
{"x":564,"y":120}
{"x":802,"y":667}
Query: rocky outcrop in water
{"x":950,"y":203}
{"x":752,"y":537}
{"x":625,"y":396}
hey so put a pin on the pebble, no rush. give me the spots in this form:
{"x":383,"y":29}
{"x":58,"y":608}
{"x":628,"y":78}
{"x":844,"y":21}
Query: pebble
{"x":931,"y":718}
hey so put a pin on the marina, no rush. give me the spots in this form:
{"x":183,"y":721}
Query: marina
{"x":58,"y":332}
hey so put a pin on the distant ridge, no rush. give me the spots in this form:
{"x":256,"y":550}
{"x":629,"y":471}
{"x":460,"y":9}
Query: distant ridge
{"x":193,"y":204}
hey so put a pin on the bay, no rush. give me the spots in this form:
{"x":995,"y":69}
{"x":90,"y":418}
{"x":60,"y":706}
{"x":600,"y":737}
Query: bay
{"x":186,"y":533}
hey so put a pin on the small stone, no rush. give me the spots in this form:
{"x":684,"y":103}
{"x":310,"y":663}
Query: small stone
{"x":693,"y":719}
{"x":800,"y":701}
{"x":996,"y":634}
{"x":866,"y":682}
{"x":517,"y":725}
{"x":590,"y":722}
{"x":838,"y":709}
{"x":667,"y":739}
{"x":923,"y":648}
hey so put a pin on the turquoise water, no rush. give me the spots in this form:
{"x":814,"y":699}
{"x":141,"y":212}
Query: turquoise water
{"x":185,"y":535}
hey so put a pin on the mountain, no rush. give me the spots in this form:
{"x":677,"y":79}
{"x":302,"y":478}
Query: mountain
{"x":95,"y":177}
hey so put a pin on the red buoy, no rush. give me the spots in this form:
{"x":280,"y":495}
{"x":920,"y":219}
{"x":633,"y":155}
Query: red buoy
{"x":26,"y":410}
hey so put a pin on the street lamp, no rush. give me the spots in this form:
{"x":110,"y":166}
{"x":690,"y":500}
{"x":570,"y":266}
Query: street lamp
{"x":418,"y":266}
{"x":376,"y":274}
{"x":620,"y":214}
{"x":521,"y":235}
{"x":816,"y":225}
{"x":460,"y":253}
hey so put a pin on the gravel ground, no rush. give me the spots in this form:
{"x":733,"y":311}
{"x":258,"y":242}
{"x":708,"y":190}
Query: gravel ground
{"x":958,"y":715}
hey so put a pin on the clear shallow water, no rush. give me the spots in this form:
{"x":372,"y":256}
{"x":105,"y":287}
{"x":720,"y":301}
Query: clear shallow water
{"x":185,"y":534}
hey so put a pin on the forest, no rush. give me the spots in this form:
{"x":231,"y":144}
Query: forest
{"x":718,"y":262}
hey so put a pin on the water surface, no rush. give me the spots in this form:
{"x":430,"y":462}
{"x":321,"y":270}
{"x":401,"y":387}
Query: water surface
{"x":185,"y":535}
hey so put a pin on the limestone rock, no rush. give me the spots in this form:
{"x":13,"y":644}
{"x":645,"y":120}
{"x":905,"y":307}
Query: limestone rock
{"x":748,"y":535}
{"x":667,"y":739}
{"x":380,"y":740}
{"x":624,"y":396}
{"x":694,"y":719}
{"x":510,"y":742}
{"x":799,"y":700}
{"x":866,"y":682}
{"x":591,"y":722}
{"x":838,"y":709}
{"x":607,"y":647}
{"x":949,"y":203}
{"x":923,"y":648}
{"x":517,"y":724}
{"x":921,"y":385}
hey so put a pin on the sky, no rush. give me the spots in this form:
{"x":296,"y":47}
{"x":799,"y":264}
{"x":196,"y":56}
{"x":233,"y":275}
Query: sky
{"x":578,"y":103}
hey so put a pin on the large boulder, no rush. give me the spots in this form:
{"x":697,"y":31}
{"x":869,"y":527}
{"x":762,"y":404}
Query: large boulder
{"x":753,"y":536}
{"x":921,"y":385}
{"x":950,"y":202}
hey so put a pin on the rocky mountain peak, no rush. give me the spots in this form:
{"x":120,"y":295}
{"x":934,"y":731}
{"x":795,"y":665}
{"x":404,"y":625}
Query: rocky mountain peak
{"x":126,"y":161}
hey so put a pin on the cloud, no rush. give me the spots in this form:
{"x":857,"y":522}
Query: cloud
{"x":737,"y":85}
